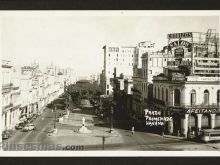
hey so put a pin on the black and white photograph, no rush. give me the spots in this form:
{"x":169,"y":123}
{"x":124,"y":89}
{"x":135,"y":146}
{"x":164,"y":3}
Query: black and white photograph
{"x":109,"y":81}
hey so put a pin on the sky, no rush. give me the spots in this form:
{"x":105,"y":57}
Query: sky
{"x":77,"y":41}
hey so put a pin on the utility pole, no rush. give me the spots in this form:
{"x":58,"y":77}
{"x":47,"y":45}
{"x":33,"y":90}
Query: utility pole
{"x":55,"y":116}
{"x":113,"y":102}
{"x":111,"y":119}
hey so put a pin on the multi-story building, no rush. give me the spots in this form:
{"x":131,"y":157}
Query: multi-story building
{"x":10,"y":96}
{"x":119,"y":57}
{"x":188,"y":90}
{"x":152,"y":65}
{"x":26,"y":87}
{"x":26,"y":90}
{"x":102,"y":81}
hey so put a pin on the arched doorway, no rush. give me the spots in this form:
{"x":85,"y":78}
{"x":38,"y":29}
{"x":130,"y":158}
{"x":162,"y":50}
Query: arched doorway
{"x":176,"y":123}
{"x":176,"y":97}
{"x":217,"y":121}
{"x":192,"y":122}
{"x":206,"y":121}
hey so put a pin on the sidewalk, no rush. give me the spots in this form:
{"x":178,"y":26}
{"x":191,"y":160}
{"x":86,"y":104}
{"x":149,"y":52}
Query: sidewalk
{"x":75,"y":119}
{"x":68,"y":132}
{"x":174,"y":137}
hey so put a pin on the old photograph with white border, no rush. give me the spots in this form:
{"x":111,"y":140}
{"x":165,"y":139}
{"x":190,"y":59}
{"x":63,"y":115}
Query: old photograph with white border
{"x":109,"y":81}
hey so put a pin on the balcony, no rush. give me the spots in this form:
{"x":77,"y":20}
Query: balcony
{"x":7,"y":107}
{"x":7,"y":86}
{"x":15,"y":88}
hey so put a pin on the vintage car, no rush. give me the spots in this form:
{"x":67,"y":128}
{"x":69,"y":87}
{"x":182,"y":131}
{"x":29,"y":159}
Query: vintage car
{"x":6,"y":134}
{"x":29,"y":127}
{"x":19,"y":126}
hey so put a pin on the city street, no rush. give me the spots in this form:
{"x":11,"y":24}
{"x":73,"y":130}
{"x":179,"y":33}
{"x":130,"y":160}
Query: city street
{"x":43,"y":123}
{"x":119,"y":140}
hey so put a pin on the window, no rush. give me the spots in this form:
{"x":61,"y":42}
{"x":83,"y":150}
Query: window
{"x":150,"y":59}
{"x":206,"y":97}
{"x":176,"y":97}
{"x":107,"y":92}
{"x":107,"y":86}
{"x":218,"y":97}
{"x":193,"y":97}
{"x":109,"y":55}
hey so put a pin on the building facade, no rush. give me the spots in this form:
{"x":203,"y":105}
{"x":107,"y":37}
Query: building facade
{"x":10,"y":96}
{"x":152,"y":65}
{"x":26,"y":90}
{"x":188,"y":90}
{"x":120,"y":58}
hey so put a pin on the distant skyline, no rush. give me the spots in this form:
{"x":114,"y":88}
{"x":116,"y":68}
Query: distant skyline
{"x":77,"y":41}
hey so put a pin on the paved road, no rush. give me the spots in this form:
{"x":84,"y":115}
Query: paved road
{"x":43,"y":123}
{"x":138,"y":141}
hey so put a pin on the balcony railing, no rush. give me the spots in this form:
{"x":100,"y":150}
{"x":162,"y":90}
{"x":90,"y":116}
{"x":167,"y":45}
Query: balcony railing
{"x":15,"y":88}
{"x":7,"y":86}
{"x":7,"y":106}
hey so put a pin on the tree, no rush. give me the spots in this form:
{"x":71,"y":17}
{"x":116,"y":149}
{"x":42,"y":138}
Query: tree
{"x":60,"y":103}
{"x":105,"y":105}
{"x":83,"y":90}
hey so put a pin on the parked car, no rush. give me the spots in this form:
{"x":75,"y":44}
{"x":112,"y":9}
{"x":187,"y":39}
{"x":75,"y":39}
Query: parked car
{"x":6,"y":134}
{"x":19,"y":126}
{"x":29,"y":127}
{"x":54,"y":130}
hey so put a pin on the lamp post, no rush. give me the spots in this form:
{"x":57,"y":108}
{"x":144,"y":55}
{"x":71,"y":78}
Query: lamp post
{"x":111,"y":118}
{"x":55,"y":116}
{"x":66,"y":106}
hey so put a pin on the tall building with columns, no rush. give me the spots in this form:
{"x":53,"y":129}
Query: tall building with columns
{"x":188,"y":90}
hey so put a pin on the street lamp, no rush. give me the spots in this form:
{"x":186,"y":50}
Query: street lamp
{"x":111,"y":118}
{"x":55,"y":116}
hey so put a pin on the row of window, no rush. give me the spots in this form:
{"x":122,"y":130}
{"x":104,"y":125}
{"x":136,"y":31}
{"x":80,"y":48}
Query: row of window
{"x":121,"y":60}
{"x":113,"y":49}
{"x":205,"y":97}
{"x":129,"y":55}
{"x":127,"y":51}
{"x":177,"y":96}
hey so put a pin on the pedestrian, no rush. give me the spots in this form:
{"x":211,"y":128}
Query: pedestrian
{"x":132,"y":130}
{"x":162,"y":133}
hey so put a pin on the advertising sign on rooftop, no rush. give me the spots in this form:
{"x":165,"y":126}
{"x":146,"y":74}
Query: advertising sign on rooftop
{"x":180,"y":35}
